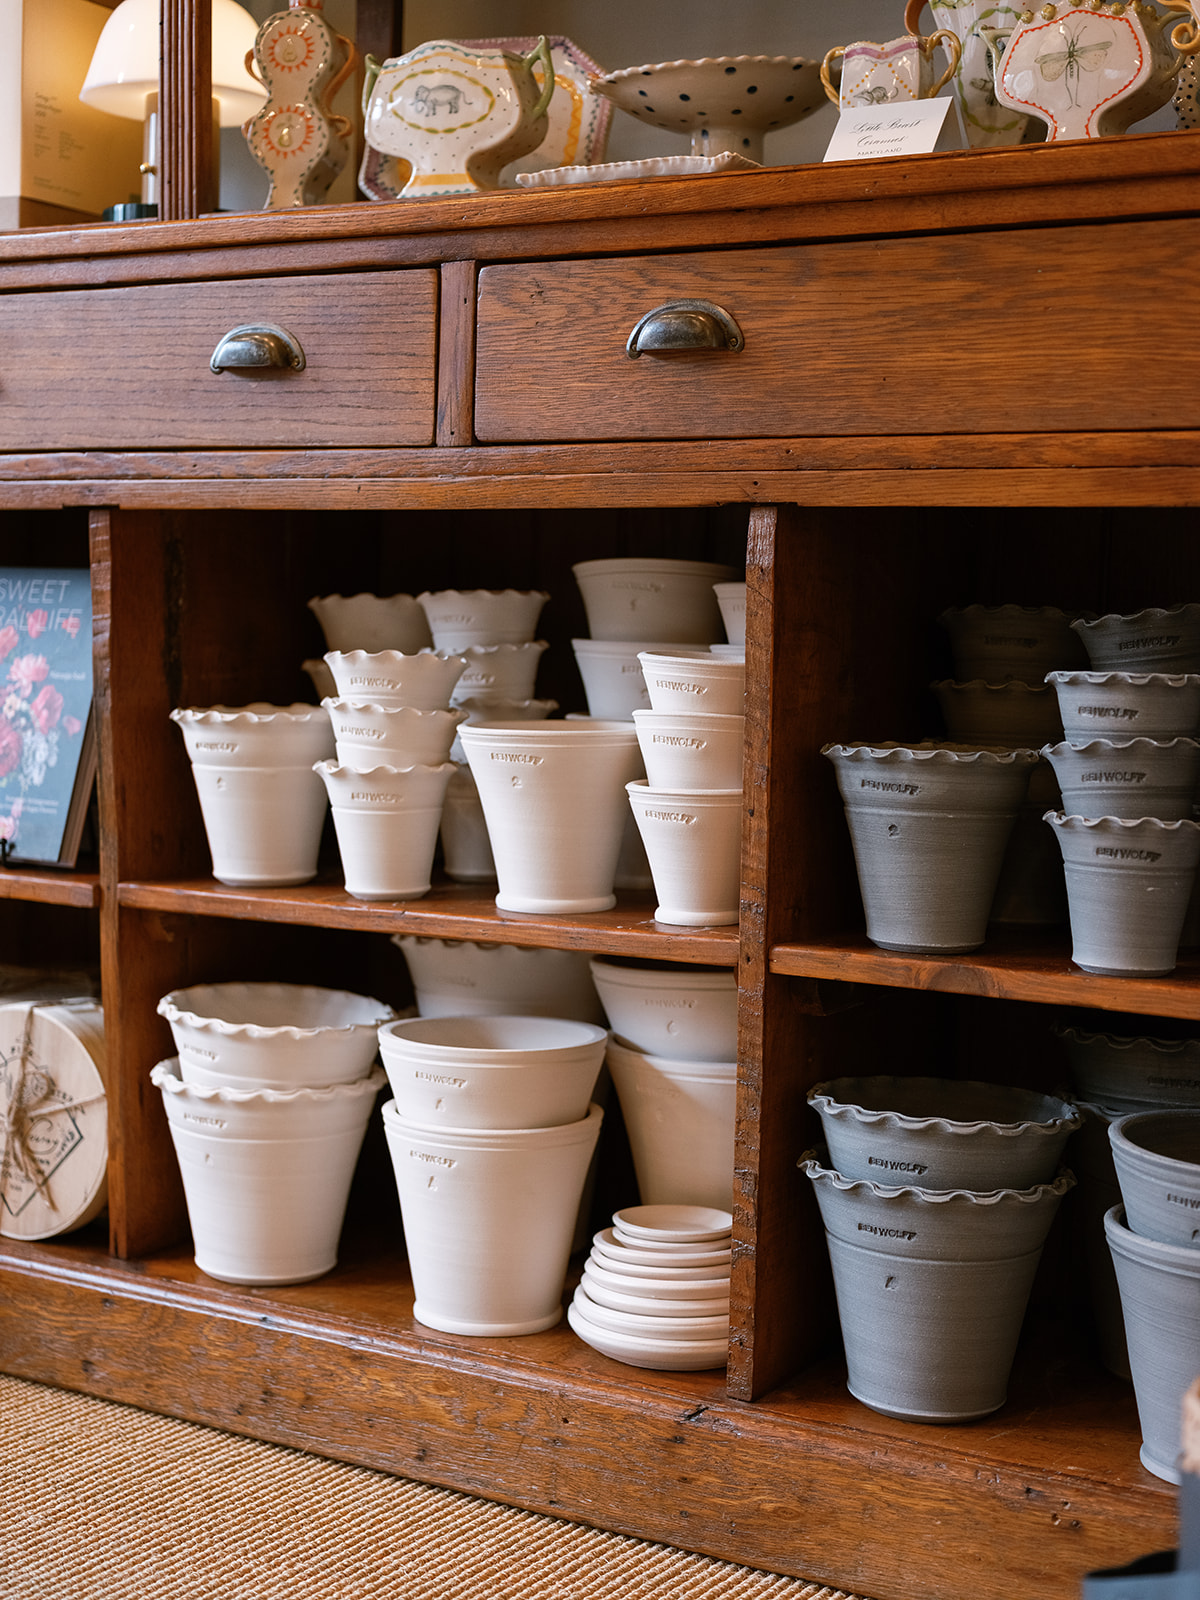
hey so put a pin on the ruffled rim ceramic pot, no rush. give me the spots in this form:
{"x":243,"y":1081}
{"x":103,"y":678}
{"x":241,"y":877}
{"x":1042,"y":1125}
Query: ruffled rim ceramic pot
{"x":371,"y":622}
{"x":929,"y":824}
{"x":1127,"y":778}
{"x":492,"y":1071}
{"x":639,"y":597}
{"x":1016,"y":714}
{"x":669,"y":1008}
{"x":425,"y":679}
{"x":386,"y":820}
{"x":508,"y":671}
{"x":367,"y":735}
{"x":996,"y":643}
{"x":943,"y":1133}
{"x":459,"y":618}
{"x":1157,"y":639}
{"x":459,"y":977}
{"x":714,"y":684}
{"x":1129,"y":882}
{"x":277,"y":1036}
{"x":256,"y":735}
{"x":1157,"y":1159}
{"x":1133,"y":1072}
{"x":1126,"y":705}
{"x":679,"y":1116}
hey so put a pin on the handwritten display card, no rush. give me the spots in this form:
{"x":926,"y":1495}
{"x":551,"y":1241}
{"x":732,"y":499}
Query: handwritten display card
{"x":911,"y":128}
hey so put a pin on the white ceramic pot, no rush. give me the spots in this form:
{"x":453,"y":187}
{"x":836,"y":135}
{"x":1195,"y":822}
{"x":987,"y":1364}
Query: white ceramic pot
{"x":425,"y":679}
{"x":669,"y":1009}
{"x":728,"y":652}
{"x":458,"y":977}
{"x":371,"y":622}
{"x":459,"y":618}
{"x":466,"y":848}
{"x":489,"y":1217}
{"x":715,"y":684}
{"x":367,"y":735}
{"x":691,"y":749}
{"x":492,"y":1071}
{"x":387,"y":822}
{"x":643,"y":597}
{"x":322,"y":679}
{"x":731,"y":599}
{"x":552,"y":797}
{"x":507,"y":671}
{"x":680,"y":1117}
{"x":613,"y":681}
{"x":1125,"y":705}
{"x":257,"y":735}
{"x":693,"y":840}
{"x":496,"y":708}
{"x":266,"y":1175}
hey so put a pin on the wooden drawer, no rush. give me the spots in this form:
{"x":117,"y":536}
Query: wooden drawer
{"x":987,"y":332}
{"x":129,"y":368}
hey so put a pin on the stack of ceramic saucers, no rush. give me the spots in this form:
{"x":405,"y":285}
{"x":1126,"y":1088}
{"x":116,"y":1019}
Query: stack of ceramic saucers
{"x":655,"y":1288}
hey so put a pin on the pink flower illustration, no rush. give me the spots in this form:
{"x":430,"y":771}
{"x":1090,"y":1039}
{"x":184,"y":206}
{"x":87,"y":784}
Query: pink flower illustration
{"x":36,"y":623}
{"x":8,"y":827}
{"x":71,"y":724}
{"x":26,"y":671}
{"x":47,"y":708}
{"x":8,"y":641}
{"x":71,"y":624}
{"x":10,"y":747}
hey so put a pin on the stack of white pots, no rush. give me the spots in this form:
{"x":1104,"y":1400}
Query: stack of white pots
{"x":673,"y":1060}
{"x":393,"y":727}
{"x":365,"y":622}
{"x":936,"y":1195}
{"x":491,"y":1131}
{"x":1128,"y":769}
{"x":268,"y":1100}
{"x":493,"y":630}
{"x":655,"y":1288}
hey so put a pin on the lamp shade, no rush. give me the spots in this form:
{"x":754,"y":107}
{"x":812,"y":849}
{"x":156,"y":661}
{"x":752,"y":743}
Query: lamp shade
{"x":124,"y":67}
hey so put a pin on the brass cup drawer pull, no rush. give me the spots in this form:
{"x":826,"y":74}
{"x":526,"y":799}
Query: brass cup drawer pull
{"x":684,"y":325}
{"x":255,"y":346}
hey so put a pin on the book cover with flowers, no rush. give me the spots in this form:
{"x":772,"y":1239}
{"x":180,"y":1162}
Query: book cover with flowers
{"x":46,"y":684}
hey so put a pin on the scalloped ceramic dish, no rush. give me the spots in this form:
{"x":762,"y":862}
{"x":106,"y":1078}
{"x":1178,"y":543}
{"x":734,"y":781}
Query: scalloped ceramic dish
{"x":639,"y":171}
{"x":942,"y":1133}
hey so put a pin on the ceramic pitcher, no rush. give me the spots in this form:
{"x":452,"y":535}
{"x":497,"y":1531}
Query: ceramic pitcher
{"x":987,"y":123}
{"x":458,"y":115}
{"x":883,"y":74}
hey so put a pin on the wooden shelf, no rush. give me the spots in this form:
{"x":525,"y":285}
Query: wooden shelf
{"x":450,"y":911}
{"x":1026,"y":966}
{"x":814,"y":1483}
{"x":50,"y":887}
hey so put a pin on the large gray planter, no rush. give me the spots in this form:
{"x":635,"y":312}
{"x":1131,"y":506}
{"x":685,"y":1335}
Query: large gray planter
{"x":1090,"y":1157}
{"x":929,"y":825}
{"x":931,"y":1289}
{"x":1127,"y":777}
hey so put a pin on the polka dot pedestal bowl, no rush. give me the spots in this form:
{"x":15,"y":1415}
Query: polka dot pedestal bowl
{"x":724,"y":103}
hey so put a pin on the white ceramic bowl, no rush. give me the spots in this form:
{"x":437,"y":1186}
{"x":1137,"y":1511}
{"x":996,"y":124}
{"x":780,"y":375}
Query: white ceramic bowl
{"x":639,"y":597}
{"x":459,"y":618}
{"x":673,"y":1224}
{"x":425,"y":679}
{"x":657,"y":1355}
{"x":492,"y":1071}
{"x":272,"y":1036}
{"x":669,"y":1009}
{"x":458,"y":977}
{"x":618,"y":1258}
{"x":695,"y":683}
{"x":731,"y":598}
{"x":680,"y":1294}
{"x":691,"y":749}
{"x":368,"y":735}
{"x":621,"y":1320}
{"x":371,"y":622}
{"x":508,"y":671}
{"x":658,"y":1256}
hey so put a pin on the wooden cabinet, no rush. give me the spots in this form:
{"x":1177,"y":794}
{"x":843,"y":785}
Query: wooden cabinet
{"x":960,"y":383}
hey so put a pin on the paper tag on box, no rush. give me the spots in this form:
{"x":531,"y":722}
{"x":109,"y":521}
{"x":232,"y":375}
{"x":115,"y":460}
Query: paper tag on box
{"x":911,"y":128}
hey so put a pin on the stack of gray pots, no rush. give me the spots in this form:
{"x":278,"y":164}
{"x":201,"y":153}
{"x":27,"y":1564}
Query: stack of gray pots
{"x":1128,"y":768}
{"x":937,"y":1196}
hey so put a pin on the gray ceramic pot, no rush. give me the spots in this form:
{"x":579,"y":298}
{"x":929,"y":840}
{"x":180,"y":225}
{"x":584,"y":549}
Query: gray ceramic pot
{"x":1090,"y":1157}
{"x":1160,"y":1298}
{"x":1128,"y":777}
{"x":1013,"y":714}
{"x":929,"y":825}
{"x":997,"y":643}
{"x":931,"y":1289}
{"x":1158,"y":639}
{"x":1127,"y":705}
{"x":1133,"y":1074}
{"x":1157,"y":1159}
{"x":1128,"y":887}
{"x":942,"y":1133}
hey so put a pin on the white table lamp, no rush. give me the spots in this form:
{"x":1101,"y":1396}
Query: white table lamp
{"x":123,"y":76}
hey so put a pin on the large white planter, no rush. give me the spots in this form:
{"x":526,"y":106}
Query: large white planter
{"x":371,"y":622}
{"x":459,"y":618}
{"x":263,"y":808}
{"x":367,"y":735}
{"x":668,"y":1009}
{"x":279,"y":1036}
{"x":425,"y":680}
{"x":489,"y":1218}
{"x":387,"y":822}
{"x":266,"y":1174}
{"x":552,"y":794}
{"x":492,"y":1071}
{"x":458,"y":977}
{"x":709,"y":683}
{"x":693,"y":840}
{"x":639,"y":597}
{"x":691,"y":749}
{"x":679,"y":1116}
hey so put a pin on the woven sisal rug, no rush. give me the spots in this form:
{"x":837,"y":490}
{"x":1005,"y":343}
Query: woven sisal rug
{"x":104,"y":1502}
